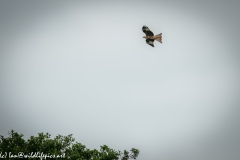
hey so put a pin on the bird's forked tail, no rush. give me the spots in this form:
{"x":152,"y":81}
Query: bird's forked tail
{"x":159,"y":37}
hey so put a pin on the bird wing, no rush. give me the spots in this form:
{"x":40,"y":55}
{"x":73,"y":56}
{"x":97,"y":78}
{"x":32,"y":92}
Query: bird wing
{"x":147,"y":31}
{"x":150,"y":42}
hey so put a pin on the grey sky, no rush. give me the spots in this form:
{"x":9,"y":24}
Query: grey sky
{"x":83,"y":68}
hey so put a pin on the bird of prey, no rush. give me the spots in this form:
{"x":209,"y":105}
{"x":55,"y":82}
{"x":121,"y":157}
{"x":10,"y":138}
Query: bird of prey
{"x":150,"y":36}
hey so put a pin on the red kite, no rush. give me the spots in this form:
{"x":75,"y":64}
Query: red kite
{"x":150,"y":36}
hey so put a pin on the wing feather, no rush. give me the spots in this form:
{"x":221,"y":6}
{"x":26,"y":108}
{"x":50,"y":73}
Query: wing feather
{"x":150,"y":42}
{"x":147,"y":31}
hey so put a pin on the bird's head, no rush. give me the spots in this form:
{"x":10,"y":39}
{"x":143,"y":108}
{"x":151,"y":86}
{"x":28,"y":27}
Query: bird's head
{"x":145,"y":37}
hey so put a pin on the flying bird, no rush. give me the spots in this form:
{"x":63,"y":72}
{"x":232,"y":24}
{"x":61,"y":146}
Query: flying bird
{"x":150,"y":36}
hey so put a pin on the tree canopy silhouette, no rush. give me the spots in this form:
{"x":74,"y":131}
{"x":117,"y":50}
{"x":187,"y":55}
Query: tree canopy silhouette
{"x":60,"y":147}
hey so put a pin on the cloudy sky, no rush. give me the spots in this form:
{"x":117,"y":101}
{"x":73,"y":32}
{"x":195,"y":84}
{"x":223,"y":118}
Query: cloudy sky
{"x":83,"y":68}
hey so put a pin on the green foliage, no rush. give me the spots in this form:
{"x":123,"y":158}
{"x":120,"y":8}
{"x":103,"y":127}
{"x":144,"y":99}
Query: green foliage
{"x":62,"y":146}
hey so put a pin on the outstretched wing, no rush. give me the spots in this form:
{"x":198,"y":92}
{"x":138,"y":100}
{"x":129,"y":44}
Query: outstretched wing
{"x":147,"y":31}
{"x":150,"y":42}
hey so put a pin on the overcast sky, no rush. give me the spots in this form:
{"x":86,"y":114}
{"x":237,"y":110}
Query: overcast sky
{"x":83,"y":68}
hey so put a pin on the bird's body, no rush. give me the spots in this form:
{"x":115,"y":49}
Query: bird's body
{"x":150,"y":36}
